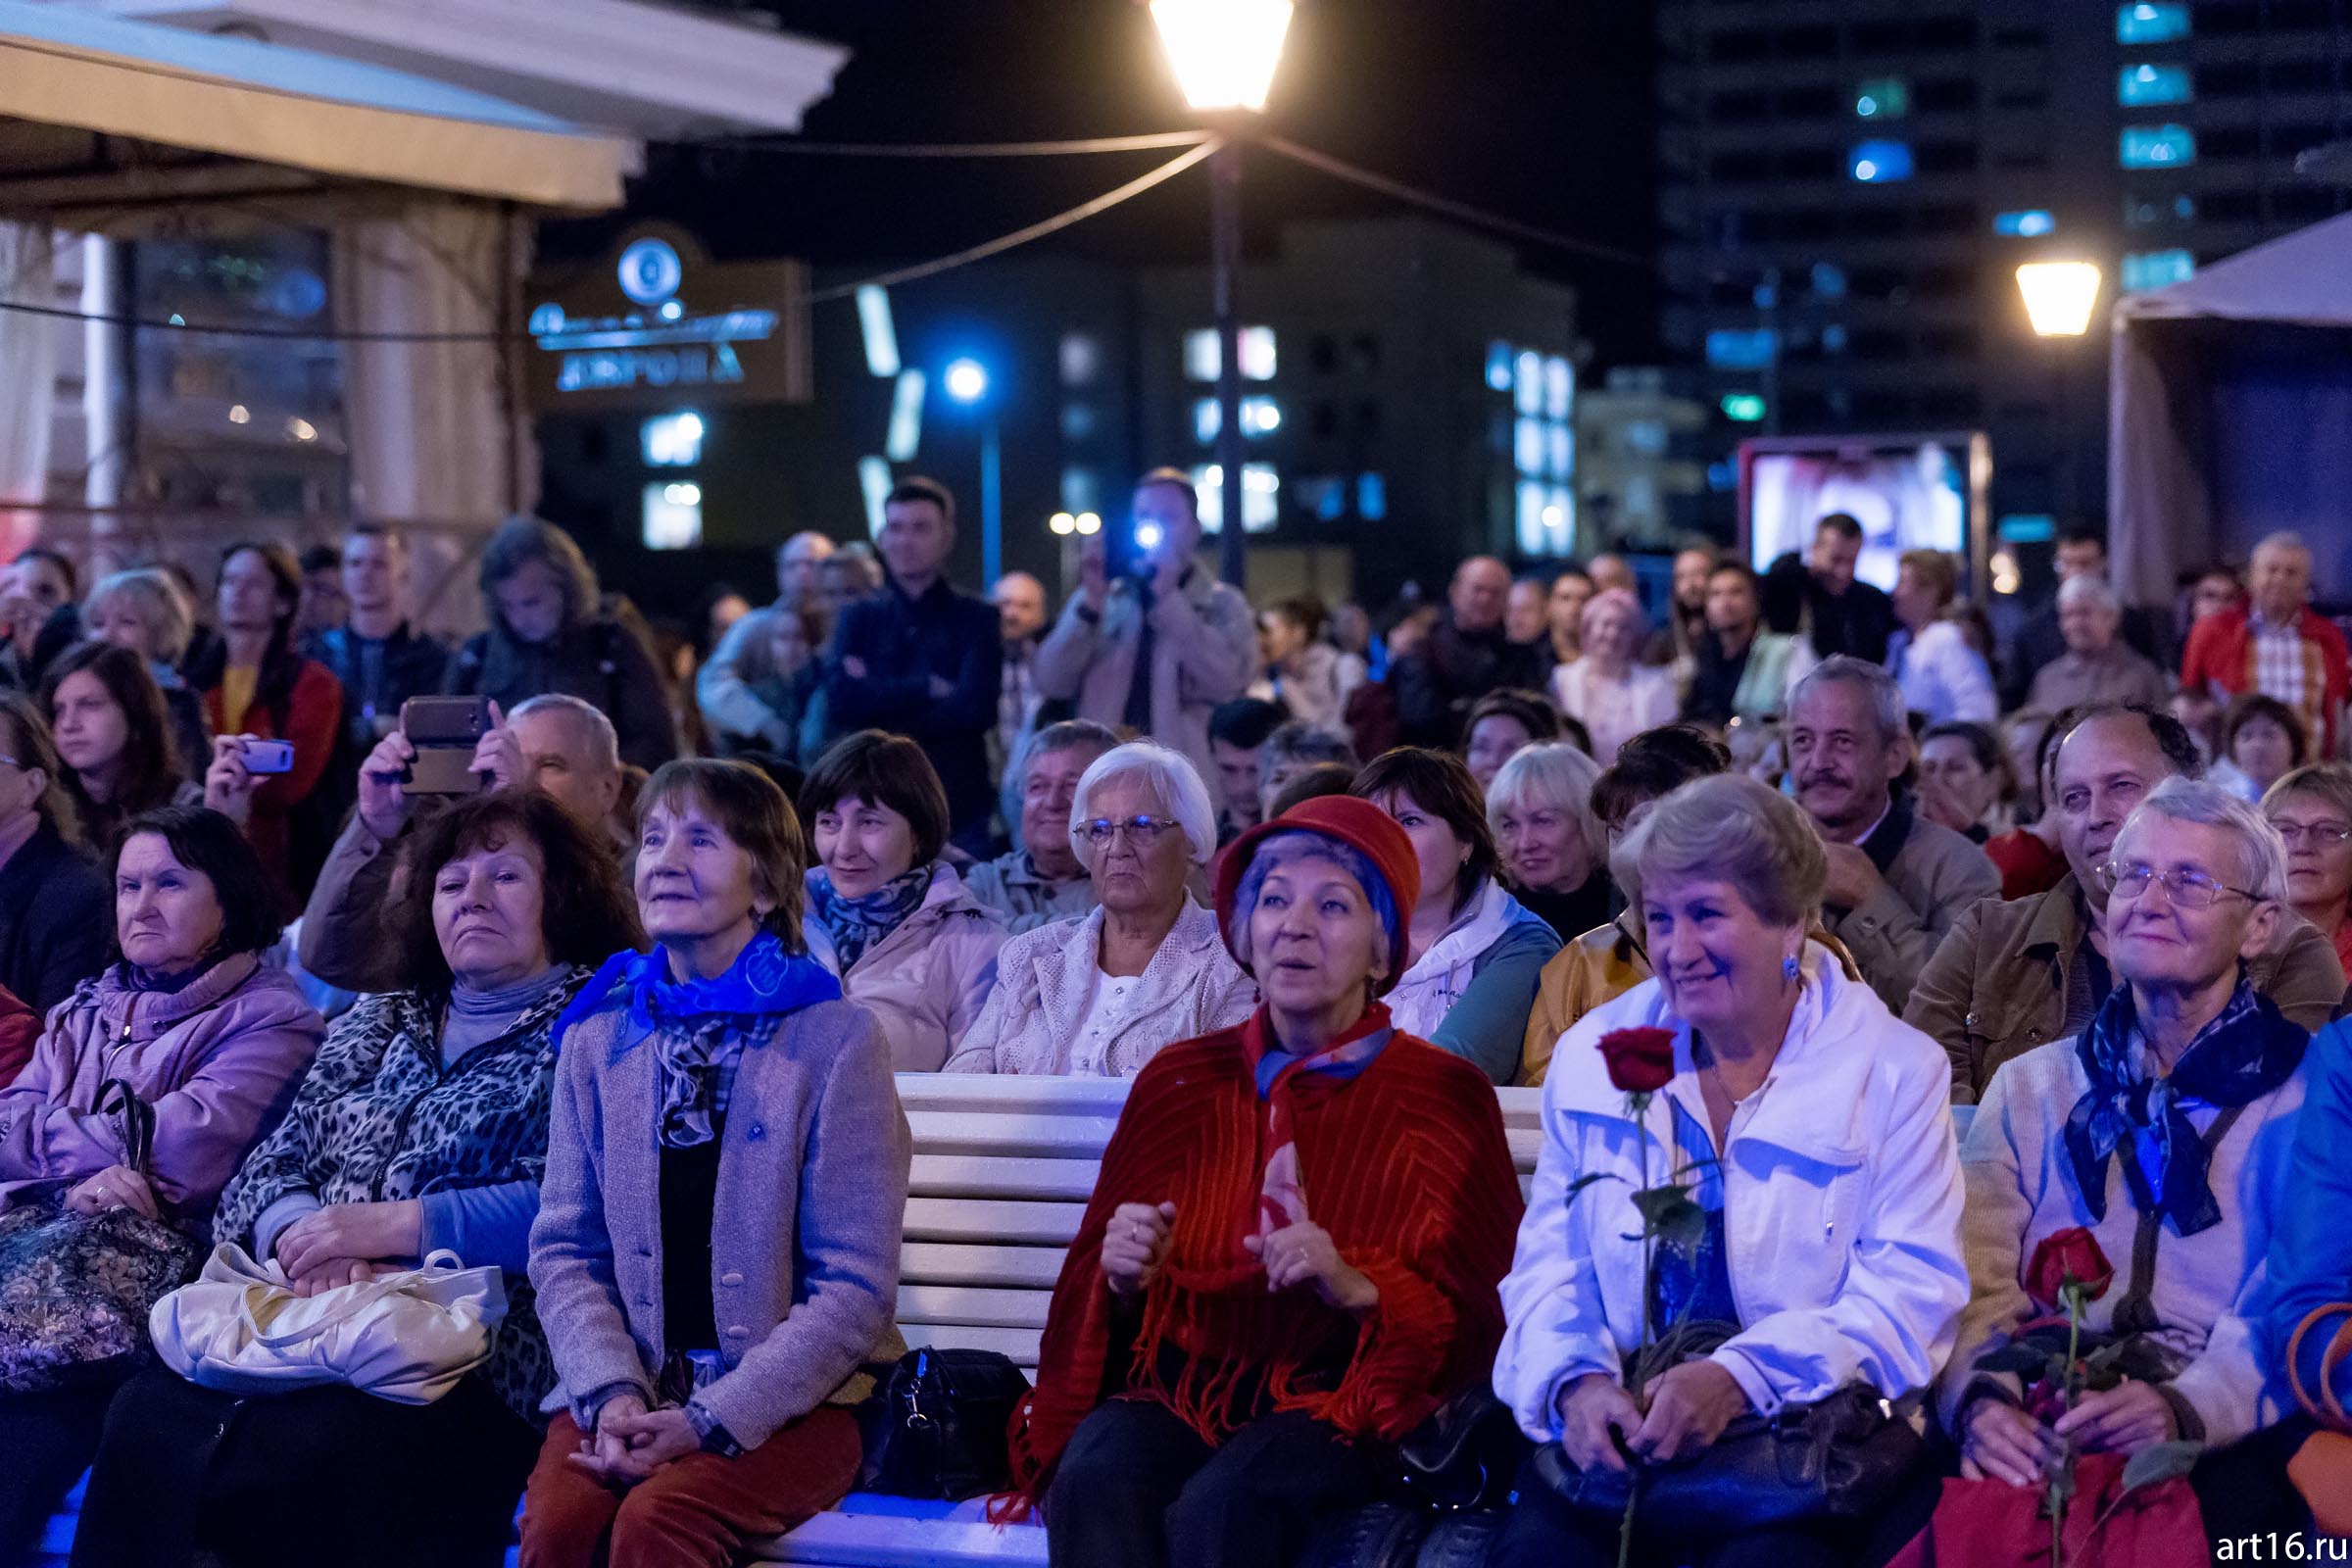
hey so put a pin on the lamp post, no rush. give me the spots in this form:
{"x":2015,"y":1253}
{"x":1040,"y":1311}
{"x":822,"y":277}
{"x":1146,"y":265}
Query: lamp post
{"x":2061,"y":298}
{"x":966,"y":381}
{"x":1224,"y":53}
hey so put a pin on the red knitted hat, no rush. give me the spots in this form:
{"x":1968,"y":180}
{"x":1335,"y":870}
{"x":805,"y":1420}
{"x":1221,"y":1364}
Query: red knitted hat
{"x":1361,"y":826}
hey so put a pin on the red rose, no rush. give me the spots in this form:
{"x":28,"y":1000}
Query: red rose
{"x":2068,"y":1257}
{"x":1641,"y":1060}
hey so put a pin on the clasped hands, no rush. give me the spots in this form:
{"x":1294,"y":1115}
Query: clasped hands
{"x":1135,"y":1243}
{"x":630,"y":1441}
{"x":2003,"y":1442}
{"x":1689,"y":1405}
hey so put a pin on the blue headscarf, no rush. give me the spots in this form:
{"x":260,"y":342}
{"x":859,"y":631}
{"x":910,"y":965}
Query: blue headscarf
{"x":698,"y":1025}
{"x":2244,"y":1054}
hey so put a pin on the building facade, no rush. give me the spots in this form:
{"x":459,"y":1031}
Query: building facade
{"x":1849,"y":187}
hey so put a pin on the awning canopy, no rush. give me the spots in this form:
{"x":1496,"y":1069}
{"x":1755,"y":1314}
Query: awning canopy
{"x":2226,"y":410}
{"x":97,"y":111}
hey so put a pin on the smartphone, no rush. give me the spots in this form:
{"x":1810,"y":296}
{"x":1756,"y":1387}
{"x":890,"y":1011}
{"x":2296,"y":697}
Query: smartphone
{"x":445,"y":731}
{"x":267,"y":756}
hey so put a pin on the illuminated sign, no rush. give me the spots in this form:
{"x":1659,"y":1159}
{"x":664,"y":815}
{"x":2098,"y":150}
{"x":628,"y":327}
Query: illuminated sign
{"x":659,"y":319}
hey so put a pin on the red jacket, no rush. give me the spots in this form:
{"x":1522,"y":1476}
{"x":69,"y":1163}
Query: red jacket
{"x":1405,"y":1165}
{"x":20,"y":1027}
{"x":2219,"y":659}
{"x":313,"y":714}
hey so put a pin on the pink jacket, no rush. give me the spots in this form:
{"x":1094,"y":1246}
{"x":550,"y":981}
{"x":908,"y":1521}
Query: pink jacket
{"x":926,"y":982}
{"x":219,"y":1059}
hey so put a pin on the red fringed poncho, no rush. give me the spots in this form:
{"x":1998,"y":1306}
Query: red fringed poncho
{"x":1406,"y":1166}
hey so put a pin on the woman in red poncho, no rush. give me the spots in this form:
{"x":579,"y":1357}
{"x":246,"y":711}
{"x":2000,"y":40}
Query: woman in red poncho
{"x":1292,"y":1252}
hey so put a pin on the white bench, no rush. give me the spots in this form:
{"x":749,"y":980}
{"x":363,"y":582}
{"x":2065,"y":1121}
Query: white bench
{"x":1003,"y":1169}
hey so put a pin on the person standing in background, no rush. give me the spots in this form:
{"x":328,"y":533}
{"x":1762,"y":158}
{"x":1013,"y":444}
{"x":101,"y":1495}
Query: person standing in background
{"x":2097,"y":664}
{"x":38,"y":616}
{"x":2081,"y":552}
{"x":1846,"y":616}
{"x":2274,"y":644}
{"x":1303,"y":673}
{"x":324,"y":605}
{"x":1021,"y":602}
{"x":380,"y":658}
{"x":1942,"y":678}
{"x":725,"y":686}
{"x":923,"y":660}
{"x":1158,"y":650}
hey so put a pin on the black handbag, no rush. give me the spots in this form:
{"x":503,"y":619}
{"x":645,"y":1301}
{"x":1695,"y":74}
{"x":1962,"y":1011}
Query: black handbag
{"x":1465,"y":1455}
{"x":1841,"y":1459}
{"x":75,"y":1290}
{"x":936,"y":1426}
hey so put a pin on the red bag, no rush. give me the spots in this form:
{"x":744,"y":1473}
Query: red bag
{"x":1991,"y":1524}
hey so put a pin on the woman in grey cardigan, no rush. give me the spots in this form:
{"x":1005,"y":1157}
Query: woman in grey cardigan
{"x":713,"y":1098}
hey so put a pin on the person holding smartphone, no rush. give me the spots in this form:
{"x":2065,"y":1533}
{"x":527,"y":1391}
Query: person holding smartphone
{"x":274,"y":714}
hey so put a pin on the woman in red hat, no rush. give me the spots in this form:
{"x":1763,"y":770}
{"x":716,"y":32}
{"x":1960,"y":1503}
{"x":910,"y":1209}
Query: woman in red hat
{"x":1291,"y":1253}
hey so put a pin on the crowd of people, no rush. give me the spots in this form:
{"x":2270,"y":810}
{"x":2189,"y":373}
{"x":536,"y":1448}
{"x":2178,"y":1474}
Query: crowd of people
{"x":619,"y":1020}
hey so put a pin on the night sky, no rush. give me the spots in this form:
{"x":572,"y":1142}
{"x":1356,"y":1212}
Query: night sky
{"x":1535,"y":108}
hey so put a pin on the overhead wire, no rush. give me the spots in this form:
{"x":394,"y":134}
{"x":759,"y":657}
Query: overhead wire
{"x":1147,"y":142}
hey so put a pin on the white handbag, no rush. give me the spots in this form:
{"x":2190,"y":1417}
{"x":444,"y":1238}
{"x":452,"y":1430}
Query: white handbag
{"x":406,"y":1337}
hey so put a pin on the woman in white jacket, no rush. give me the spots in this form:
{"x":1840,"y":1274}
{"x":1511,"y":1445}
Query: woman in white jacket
{"x":1831,"y":1184}
{"x":1101,"y":995}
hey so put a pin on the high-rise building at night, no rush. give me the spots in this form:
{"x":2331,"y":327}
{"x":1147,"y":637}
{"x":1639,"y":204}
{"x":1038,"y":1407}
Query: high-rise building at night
{"x":1847,"y":188}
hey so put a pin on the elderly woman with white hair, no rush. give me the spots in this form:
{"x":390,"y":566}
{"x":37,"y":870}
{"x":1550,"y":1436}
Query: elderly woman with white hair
{"x":2098,"y":665}
{"x":2164,"y":1129}
{"x":1042,"y":878}
{"x":1555,"y":854}
{"x":1102,"y":995}
{"x":1811,"y":1129}
{"x":1610,"y":691}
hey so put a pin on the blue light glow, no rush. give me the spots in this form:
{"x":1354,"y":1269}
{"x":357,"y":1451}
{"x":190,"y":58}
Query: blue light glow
{"x":1880,"y":163}
{"x":2029,"y":223}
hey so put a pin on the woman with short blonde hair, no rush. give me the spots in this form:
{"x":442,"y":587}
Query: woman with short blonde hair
{"x":1554,"y":852}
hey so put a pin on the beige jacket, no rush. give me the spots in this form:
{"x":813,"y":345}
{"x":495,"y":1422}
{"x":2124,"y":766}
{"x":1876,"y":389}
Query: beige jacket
{"x":1045,"y":980}
{"x":925,"y":983}
{"x":1203,"y":652}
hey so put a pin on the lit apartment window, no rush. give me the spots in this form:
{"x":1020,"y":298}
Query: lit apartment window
{"x":1371,"y":497}
{"x":2157,"y":147}
{"x":671,"y":517}
{"x":2147,"y":84}
{"x":2146,"y":269}
{"x":2152,"y":21}
{"x":1259,"y":416}
{"x":2151,"y":212}
{"x":1498,"y":366}
{"x":1742,"y":408}
{"x":2029,"y":223}
{"x":671,"y":440}
{"x":1547,"y":521}
{"x":1559,"y":387}
{"x":1880,"y":163}
{"x":1201,"y":357}
{"x":1261,"y":496}
{"x":1882,"y":98}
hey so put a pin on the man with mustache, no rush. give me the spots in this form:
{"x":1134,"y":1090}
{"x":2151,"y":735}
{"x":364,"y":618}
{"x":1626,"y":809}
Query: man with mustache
{"x":1897,"y":881}
{"x":2013,"y":976}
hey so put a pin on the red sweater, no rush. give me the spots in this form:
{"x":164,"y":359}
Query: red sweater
{"x":20,"y":1027}
{"x":2219,"y":659}
{"x":313,"y":714}
{"x":1405,"y":1165}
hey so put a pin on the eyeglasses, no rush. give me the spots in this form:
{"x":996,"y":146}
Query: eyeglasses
{"x":1142,"y":831}
{"x":2188,"y":890}
{"x":2320,"y":835}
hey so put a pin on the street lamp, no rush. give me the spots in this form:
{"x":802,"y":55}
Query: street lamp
{"x":1224,"y":53}
{"x":966,"y":381}
{"x":2060,"y":299}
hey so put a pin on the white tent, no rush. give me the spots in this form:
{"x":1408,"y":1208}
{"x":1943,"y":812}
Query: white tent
{"x":97,"y":110}
{"x":2200,"y":460}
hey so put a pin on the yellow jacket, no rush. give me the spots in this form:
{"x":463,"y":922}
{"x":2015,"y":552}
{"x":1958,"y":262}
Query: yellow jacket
{"x":1603,"y":963}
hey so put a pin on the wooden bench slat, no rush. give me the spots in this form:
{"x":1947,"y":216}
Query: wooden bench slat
{"x":885,"y":1541}
{"x":973,"y":1307}
{"x":984,"y":1176}
{"x":1018,"y":1133}
{"x":1018,"y":1346}
{"x":950,"y":1218}
{"x":963,"y":1264}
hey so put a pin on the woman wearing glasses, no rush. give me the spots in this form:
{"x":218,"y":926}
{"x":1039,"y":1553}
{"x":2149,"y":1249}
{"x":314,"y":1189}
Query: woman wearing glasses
{"x":2312,"y":810}
{"x":2164,"y":1129}
{"x":886,"y":914}
{"x":1099,"y":996}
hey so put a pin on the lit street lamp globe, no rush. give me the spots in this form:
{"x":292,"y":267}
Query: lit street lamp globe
{"x":1223,"y":51}
{"x":966,"y":381}
{"x":2060,"y":296}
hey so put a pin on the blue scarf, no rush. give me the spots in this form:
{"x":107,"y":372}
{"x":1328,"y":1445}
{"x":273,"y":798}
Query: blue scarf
{"x":857,"y":924}
{"x":698,"y":1026}
{"x":2244,"y":1054}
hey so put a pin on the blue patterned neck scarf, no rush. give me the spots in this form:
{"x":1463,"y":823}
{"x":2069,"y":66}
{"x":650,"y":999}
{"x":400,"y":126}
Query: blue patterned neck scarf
{"x":698,"y":1027}
{"x":2244,"y":1054}
{"x":857,"y":924}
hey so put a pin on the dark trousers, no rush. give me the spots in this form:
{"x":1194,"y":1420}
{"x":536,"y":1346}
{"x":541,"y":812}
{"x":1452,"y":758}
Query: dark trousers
{"x":46,"y":1441}
{"x":1137,"y":1488}
{"x":293,"y":1480}
{"x":1542,"y":1532}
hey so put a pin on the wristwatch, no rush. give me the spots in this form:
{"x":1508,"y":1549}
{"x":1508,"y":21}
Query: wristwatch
{"x":717,"y":1439}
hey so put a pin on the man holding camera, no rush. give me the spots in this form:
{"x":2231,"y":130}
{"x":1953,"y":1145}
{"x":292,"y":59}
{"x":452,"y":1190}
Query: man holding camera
{"x":1157,"y":650}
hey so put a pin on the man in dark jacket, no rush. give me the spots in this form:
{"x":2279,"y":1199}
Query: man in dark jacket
{"x":923,"y":660}
{"x":378,"y":658}
{"x":1848,"y":616}
{"x":1467,"y":656}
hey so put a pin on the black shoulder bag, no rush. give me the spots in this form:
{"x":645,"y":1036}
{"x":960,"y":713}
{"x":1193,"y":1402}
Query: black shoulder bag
{"x":937,"y":1425}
